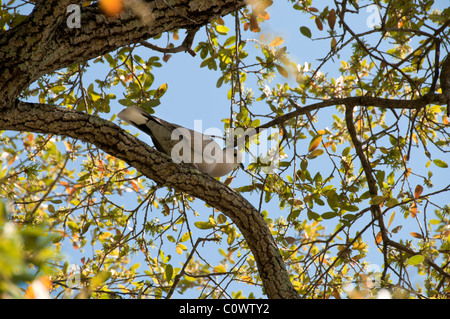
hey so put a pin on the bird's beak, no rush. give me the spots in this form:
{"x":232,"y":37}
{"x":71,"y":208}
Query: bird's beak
{"x":241,"y":166}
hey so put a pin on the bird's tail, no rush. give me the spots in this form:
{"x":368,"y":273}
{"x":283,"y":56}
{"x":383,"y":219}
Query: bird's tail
{"x":134,"y":115}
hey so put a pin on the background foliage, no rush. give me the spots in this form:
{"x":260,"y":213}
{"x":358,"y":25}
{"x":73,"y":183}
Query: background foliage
{"x":130,"y":237}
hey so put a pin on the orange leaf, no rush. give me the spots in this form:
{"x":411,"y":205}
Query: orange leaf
{"x":416,"y":235}
{"x":264,"y":15}
{"x":379,"y":238}
{"x":12,"y":160}
{"x":418,"y":191}
{"x":111,"y":8}
{"x":135,"y":186}
{"x":413,"y":210}
{"x":407,"y":172}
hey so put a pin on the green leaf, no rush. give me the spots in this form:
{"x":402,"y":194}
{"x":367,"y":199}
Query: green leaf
{"x":415,"y":260}
{"x":203,"y":225}
{"x":168,"y":273}
{"x":126,"y":102}
{"x":329,"y":215}
{"x":305,"y":31}
{"x":313,"y":216}
{"x":315,"y":153}
{"x":377,"y":200}
{"x":440,"y":163}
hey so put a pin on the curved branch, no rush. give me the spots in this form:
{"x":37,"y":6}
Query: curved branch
{"x":41,"y":118}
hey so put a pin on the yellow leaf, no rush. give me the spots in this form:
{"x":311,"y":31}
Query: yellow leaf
{"x":220,"y":268}
{"x":160,"y":91}
{"x":391,"y":219}
{"x":414,"y":137}
{"x":276,"y":42}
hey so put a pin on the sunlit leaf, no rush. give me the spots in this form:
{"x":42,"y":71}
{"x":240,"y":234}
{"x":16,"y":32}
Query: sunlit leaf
{"x":282,"y":71}
{"x":203,"y":225}
{"x":160,"y":91}
{"x":379,"y":238}
{"x":315,"y":142}
{"x":276,"y":42}
{"x":415,"y":260}
{"x":440,"y":163}
{"x":413,"y":210}
{"x":221,"y":29}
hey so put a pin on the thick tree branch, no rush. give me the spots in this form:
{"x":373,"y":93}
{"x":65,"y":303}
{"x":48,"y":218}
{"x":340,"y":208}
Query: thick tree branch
{"x":44,"y":42}
{"x":41,"y":118}
{"x":392,"y":104}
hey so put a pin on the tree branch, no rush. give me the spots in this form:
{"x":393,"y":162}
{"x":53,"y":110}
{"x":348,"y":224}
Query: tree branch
{"x":41,"y":118}
{"x":44,"y":42}
{"x":185,"y":46}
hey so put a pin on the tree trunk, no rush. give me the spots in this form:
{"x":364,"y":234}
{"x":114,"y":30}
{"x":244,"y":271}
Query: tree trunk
{"x":44,"y":43}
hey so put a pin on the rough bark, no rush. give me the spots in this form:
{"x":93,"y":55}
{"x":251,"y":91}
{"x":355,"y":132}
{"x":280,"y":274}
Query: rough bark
{"x":43,"y":43}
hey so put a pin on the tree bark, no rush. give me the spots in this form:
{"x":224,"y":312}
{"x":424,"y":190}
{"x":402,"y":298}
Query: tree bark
{"x":44,"y":43}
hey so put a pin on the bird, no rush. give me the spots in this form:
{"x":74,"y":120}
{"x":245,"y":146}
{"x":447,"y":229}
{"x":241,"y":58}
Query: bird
{"x":184,"y":145}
